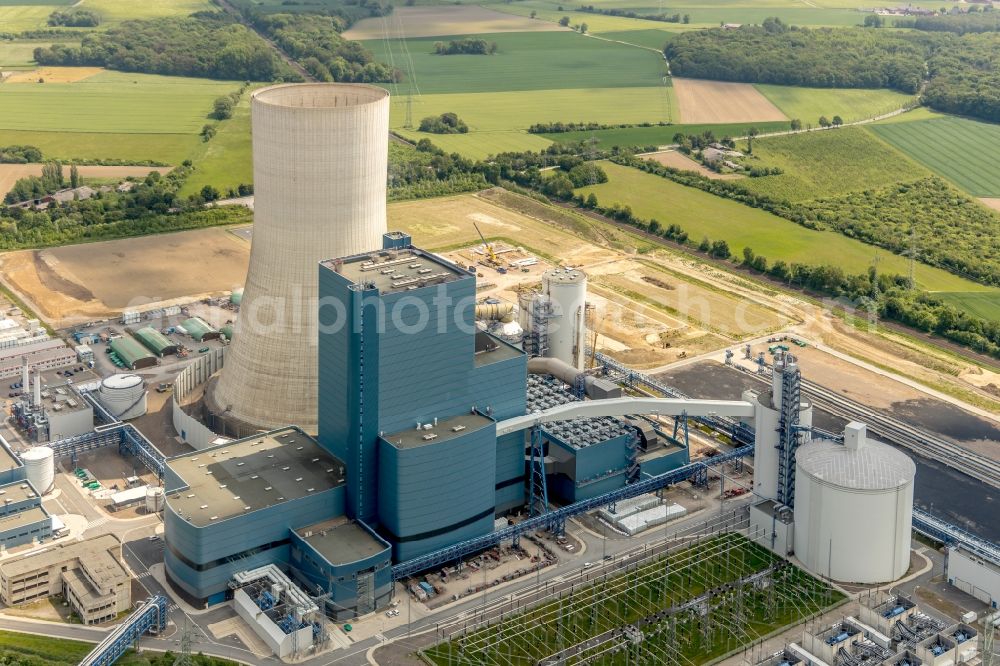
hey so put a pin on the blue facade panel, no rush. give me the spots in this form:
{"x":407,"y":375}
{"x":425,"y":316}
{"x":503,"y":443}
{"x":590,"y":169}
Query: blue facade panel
{"x":341,"y":580}
{"x":203,"y":559}
{"x":437,"y":490}
{"x":665,"y":463}
{"x":26,"y":533}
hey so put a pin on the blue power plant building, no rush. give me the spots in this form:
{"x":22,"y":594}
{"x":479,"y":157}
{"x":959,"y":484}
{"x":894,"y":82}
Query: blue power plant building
{"x":406,"y":460}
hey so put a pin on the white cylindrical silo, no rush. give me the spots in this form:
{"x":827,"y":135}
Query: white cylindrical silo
{"x":853,"y":509}
{"x":320,"y":155}
{"x":765,"y":451}
{"x":567,"y":290}
{"x":123,"y":395}
{"x":39,"y":468}
{"x":154,"y":499}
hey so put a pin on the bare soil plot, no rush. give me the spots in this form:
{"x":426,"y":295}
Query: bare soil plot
{"x":11,"y":173}
{"x":444,"y":20}
{"x":703,"y":101}
{"x":54,"y":75}
{"x":676,"y":160}
{"x":991,"y":202}
{"x":77,"y":283}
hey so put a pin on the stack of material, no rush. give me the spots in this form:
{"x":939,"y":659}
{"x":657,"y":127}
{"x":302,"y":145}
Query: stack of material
{"x":629,"y":507}
{"x":643,"y":520}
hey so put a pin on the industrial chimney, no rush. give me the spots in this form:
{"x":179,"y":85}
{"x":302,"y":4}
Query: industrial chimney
{"x":320,"y":158}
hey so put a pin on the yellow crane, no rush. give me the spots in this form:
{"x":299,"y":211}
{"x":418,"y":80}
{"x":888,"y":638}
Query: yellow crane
{"x":493,"y":258}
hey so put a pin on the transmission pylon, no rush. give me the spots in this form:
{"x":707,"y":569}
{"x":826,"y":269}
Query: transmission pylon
{"x":408,"y":123}
{"x":184,"y":656}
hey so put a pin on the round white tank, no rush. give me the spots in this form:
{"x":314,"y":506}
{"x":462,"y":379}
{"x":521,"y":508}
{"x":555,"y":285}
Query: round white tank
{"x":853,"y":510}
{"x":154,"y":499}
{"x":567,"y":289}
{"x":320,"y":154}
{"x":39,"y":467}
{"x":765,"y":453}
{"x":123,"y":395}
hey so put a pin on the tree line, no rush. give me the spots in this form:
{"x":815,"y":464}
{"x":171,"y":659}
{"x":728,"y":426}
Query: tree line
{"x":18,"y":154}
{"x":888,"y":296}
{"x":987,"y":20}
{"x":788,"y":55}
{"x":446,"y":123}
{"x":314,"y":41}
{"x":962,"y":70}
{"x":75,"y":18}
{"x":628,"y":13}
{"x":466,"y":46}
{"x":206,"y":44}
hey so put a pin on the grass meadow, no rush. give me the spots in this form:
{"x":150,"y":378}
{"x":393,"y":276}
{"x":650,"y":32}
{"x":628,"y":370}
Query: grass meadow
{"x":702,"y":214}
{"x":808,"y":104}
{"x":21,"y":15}
{"x":966,"y":152}
{"x":525,"y":61}
{"x":978,"y":304}
{"x":518,"y":110}
{"x":227,"y":160}
{"x":829,"y":163}
{"x":110,"y":115}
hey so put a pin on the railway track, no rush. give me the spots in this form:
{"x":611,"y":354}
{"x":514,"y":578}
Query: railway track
{"x":898,"y":432}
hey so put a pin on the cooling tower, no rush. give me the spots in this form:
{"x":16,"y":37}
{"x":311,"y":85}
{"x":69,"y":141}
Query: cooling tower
{"x":320,"y":157}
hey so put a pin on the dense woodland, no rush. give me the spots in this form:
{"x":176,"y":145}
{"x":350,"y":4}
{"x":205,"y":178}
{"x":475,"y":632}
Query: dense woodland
{"x":314,"y":41}
{"x":965,"y":76}
{"x":206,"y":44}
{"x":776,"y":53}
{"x":446,"y":123}
{"x":466,"y":46}
{"x":75,"y":18}
{"x":19,"y":154}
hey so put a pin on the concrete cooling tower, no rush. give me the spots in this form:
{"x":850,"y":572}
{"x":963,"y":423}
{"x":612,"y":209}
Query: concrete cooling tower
{"x":320,"y":157}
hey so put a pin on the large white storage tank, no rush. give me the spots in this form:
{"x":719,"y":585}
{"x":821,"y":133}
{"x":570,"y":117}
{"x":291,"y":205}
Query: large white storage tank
{"x":39,"y":468}
{"x":154,"y":499}
{"x":853,"y":508}
{"x":567,"y":291}
{"x":123,"y":395}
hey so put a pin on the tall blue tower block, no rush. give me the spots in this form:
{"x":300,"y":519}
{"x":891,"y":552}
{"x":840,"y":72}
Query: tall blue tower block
{"x":409,"y":396}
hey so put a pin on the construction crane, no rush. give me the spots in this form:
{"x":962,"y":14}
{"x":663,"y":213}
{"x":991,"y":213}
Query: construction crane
{"x":494,"y":260}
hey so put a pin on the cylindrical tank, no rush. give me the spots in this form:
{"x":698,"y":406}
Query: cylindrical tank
{"x":154,"y":499}
{"x":39,"y":468}
{"x":320,"y":153}
{"x":567,"y":290}
{"x":123,"y":395}
{"x":853,"y":508}
{"x":765,"y":453}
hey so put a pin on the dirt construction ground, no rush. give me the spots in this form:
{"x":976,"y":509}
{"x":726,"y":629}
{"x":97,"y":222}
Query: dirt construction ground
{"x":444,"y":20}
{"x":77,"y":283}
{"x":676,"y":160}
{"x":716,"y":102}
{"x":11,"y":173}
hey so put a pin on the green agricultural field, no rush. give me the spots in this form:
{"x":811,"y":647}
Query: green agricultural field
{"x":651,"y":39}
{"x":18,"y":18}
{"x":18,"y":53}
{"x":525,"y":61}
{"x":808,"y":104}
{"x":660,"y":135}
{"x":519,"y":110}
{"x":479,"y":145}
{"x":548,"y":10}
{"x":19,"y":648}
{"x":701,"y":214}
{"x":967,"y":152}
{"x":110,"y":115}
{"x":828,"y":163}
{"x":227,"y":160}
{"x":977,"y":304}
{"x":116,"y":11}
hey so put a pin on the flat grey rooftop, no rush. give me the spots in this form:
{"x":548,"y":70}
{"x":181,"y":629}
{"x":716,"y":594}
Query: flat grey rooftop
{"x":63,"y":399}
{"x":392,"y":271}
{"x":18,"y":491}
{"x":30,"y":516}
{"x":449,"y":428}
{"x":102,"y":550}
{"x":250,"y":474}
{"x":490,"y":350}
{"x":341,"y":540}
